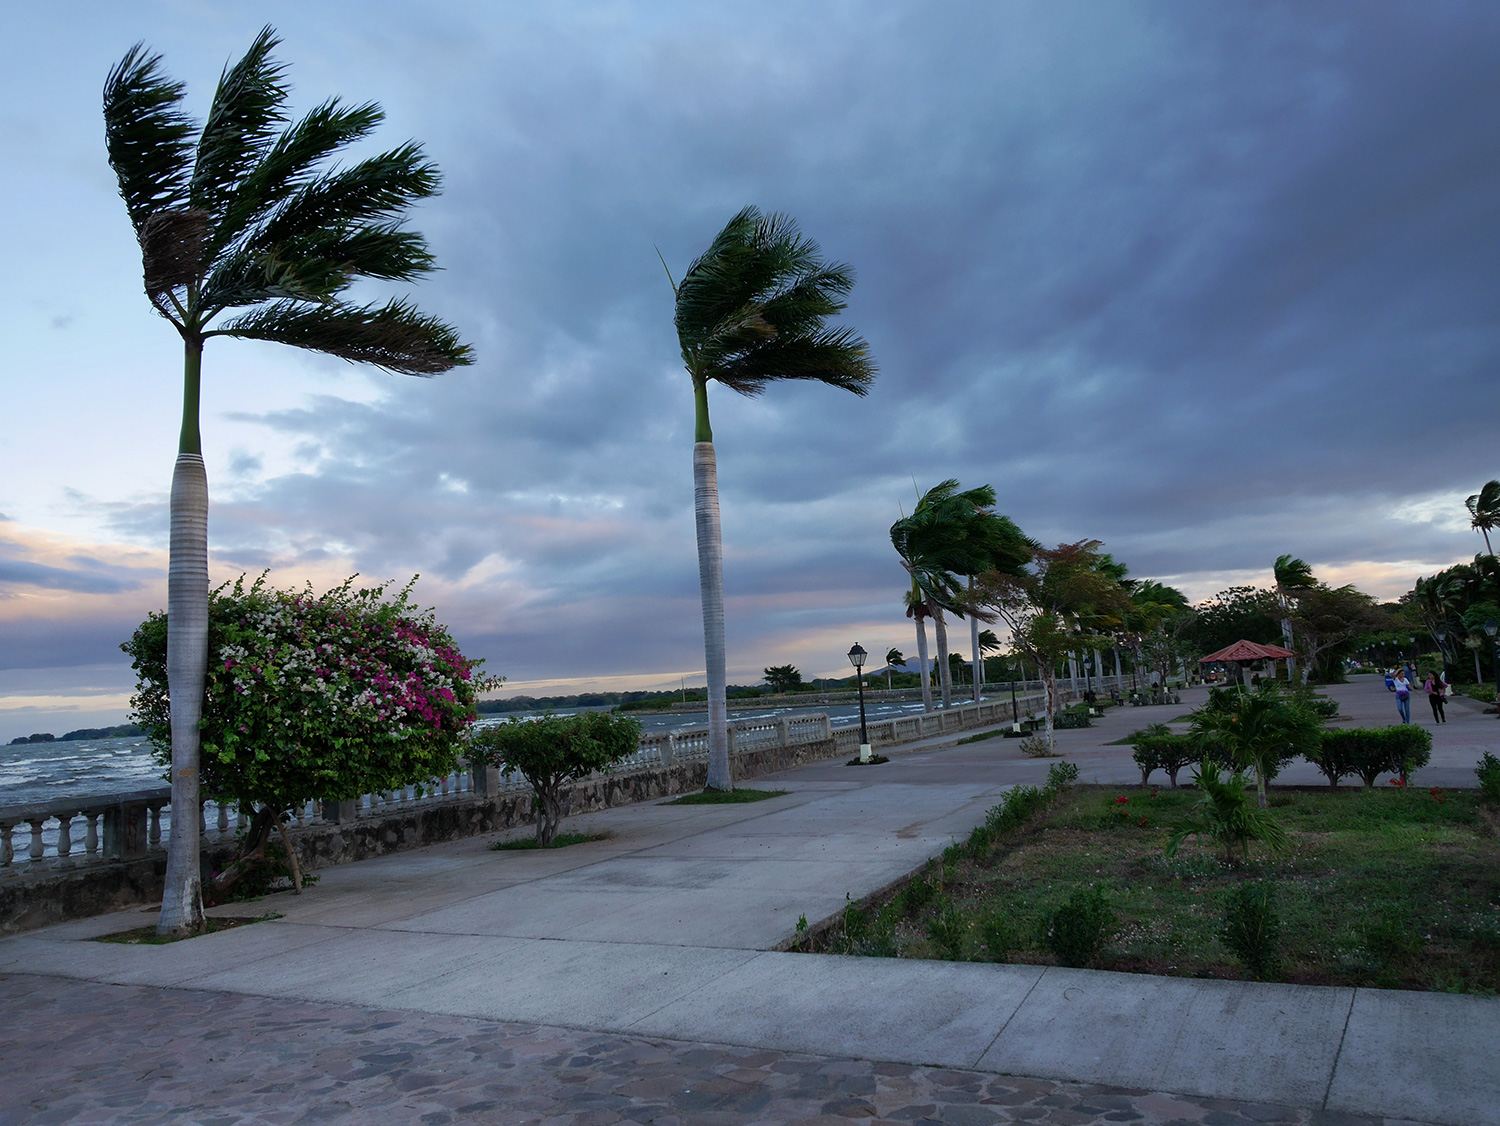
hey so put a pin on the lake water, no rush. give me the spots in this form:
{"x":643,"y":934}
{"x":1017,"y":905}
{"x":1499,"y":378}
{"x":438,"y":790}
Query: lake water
{"x":43,"y":772}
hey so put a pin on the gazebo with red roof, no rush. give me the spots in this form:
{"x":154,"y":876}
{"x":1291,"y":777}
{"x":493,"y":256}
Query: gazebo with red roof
{"x":1246,"y":653}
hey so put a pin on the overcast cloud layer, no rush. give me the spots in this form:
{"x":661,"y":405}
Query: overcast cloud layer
{"x":1207,"y":282}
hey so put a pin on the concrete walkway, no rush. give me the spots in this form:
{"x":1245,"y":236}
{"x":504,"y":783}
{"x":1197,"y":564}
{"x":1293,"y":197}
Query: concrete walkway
{"x":668,"y":932}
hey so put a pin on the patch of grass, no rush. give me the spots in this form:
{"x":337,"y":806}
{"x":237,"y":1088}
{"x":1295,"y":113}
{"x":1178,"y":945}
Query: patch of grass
{"x":562,"y":840}
{"x":875,"y":760}
{"x":147,"y":936}
{"x":1398,"y":889}
{"x":725,"y":797}
{"x":983,"y":735}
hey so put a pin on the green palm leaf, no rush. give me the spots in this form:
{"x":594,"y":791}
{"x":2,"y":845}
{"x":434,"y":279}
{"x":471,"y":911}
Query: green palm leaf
{"x":393,"y":336}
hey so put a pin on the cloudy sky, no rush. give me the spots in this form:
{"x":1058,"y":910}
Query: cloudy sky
{"x":1207,"y":282}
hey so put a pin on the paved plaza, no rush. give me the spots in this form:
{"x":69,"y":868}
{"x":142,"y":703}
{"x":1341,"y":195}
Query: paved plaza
{"x":643,"y":979}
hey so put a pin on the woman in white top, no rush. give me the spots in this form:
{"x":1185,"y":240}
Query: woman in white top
{"x":1403,"y":695}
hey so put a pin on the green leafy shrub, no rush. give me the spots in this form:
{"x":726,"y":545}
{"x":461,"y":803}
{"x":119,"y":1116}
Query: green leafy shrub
{"x":947,"y":931}
{"x":1162,"y":750}
{"x":1000,"y":936}
{"x":1018,"y":806}
{"x":1036,"y":746}
{"x":1251,"y":927}
{"x":917,"y":895}
{"x":1372,"y":751}
{"x":1226,"y":814}
{"x":1488,"y":772}
{"x":1261,"y":730}
{"x":1061,"y":775}
{"x":553,"y":750}
{"x":311,"y":696}
{"x":1077,"y":931}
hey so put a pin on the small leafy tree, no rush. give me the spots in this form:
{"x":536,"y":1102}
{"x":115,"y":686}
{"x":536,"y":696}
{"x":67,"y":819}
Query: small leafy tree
{"x":1225,"y":814}
{"x":311,"y":696}
{"x":783,"y":678}
{"x":1042,"y":606}
{"x":554,"y":750}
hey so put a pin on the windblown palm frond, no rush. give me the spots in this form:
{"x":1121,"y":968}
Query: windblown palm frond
{"x":249,"y":216}
{"x":751,"y":311}
{"x":1484,"y":511}
{"x":393,"y":336}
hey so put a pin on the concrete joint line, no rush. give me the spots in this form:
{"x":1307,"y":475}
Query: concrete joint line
{"x":1021,"y":1005}
{"x":1338,"y":1052}
{"x":755,"y":955}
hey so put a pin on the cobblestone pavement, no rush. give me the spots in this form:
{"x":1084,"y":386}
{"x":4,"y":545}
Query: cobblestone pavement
{"x":87,"y":1053}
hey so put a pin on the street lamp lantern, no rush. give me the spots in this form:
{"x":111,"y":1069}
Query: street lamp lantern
{"x":857,"y":657}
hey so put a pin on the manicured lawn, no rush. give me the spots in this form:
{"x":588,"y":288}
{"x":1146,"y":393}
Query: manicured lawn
{"x":1399,"y":889}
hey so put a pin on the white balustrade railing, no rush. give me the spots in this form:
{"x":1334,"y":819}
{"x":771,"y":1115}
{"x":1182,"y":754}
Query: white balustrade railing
{"x":101,"y":828}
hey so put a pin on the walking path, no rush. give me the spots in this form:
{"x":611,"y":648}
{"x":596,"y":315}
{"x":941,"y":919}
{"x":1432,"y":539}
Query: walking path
{"x":638,"y":979}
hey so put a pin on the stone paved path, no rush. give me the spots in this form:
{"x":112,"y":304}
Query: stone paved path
{"x":82,"y":1052}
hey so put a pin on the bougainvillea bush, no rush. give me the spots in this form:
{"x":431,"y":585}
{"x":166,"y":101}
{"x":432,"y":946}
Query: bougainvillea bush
{"x":313,"y":696}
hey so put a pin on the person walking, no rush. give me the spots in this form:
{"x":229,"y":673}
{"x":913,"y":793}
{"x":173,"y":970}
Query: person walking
{"x":1436,"y":690}
{"x":1403,"y":695}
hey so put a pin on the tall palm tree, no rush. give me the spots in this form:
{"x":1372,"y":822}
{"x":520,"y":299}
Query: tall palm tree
{"x":953,"y":533}
{"x":1484,"y":511}
{"x":929,"y":542}
{"x":240,"y":218}
{"x":1292,"y":577}
{"x":985,"y":642}
{"x":893,"y":657}
{"x":749,"y":312}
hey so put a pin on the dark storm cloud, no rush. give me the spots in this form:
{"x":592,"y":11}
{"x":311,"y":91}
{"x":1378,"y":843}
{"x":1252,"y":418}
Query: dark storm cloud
{"x":1207,"y":283}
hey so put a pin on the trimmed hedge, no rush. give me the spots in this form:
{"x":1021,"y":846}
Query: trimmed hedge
{"x":1166,"y":752}
{"x":1372,"y":751}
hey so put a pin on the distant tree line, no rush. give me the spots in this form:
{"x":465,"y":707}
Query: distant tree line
{"x":81,"y":733}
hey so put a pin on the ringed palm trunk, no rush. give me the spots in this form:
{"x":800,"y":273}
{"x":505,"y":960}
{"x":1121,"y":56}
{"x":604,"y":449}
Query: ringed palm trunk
{"x":187,"y":661}
{"x":711,"y":585}
{"x":945,"y":674}
{"x":922,"y":662}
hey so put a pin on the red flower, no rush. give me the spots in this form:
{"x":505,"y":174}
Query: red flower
{"x":1143,"y":822}
{"x":1122,"y":800}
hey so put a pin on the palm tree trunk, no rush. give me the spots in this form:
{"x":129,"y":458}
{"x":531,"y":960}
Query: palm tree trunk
{"x":922,"y":662}
{"x":711,"y":585}
{"x":945,"y":674}
{"x":187,"y":658}
{"x":978,"y":677}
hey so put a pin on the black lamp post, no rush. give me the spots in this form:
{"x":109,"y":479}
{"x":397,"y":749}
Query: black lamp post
{"x":857,"y":657}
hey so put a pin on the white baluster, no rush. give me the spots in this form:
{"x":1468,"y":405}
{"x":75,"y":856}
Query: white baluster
{"x":35,"y":851}
{"x":64,"y":834}
{"x":91,"y":833}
